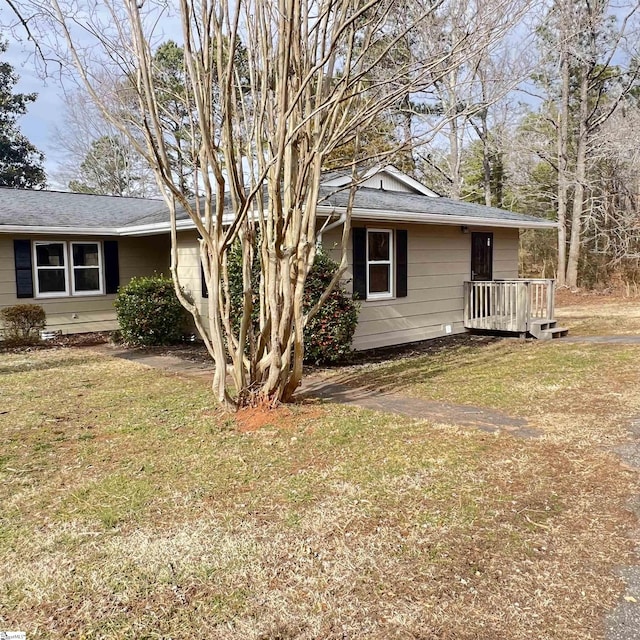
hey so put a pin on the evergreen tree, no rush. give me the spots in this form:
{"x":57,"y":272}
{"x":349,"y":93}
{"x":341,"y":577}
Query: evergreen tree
{"x":20,"y":161}
{"x":108,"y":169}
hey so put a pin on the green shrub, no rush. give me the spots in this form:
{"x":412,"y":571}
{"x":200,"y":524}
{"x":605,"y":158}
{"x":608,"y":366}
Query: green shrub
{"x":328,"y":336}
{"x":149,"y":312}
{"x":23,"y":323}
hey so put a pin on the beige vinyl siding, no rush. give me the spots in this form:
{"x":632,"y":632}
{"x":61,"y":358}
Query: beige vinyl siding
{"x":190,"y":270}
{"x":439,"y":261}
{"x":78,"y":314}
{"x":7,"y":272}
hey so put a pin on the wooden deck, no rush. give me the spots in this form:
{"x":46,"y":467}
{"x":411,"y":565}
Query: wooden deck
{"x":515,"y":306}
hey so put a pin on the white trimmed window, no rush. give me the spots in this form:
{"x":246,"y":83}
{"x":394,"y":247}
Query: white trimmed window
{"x":50,"y":262}
{"x":379,"y":264}
{"x":63,"y":269}
{"x":86,"y":266}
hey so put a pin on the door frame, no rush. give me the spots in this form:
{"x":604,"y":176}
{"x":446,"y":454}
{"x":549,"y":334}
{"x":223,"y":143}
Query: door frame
{"x":488,"y":235}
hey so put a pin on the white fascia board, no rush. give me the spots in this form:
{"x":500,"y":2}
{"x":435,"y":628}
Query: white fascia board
{"x":428,"y":218}
{"x":155,"y":229}
{"x":59,"y":231}
{"x":165,"y":227}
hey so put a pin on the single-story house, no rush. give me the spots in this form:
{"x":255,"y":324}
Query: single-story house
{"x":422,"y":265}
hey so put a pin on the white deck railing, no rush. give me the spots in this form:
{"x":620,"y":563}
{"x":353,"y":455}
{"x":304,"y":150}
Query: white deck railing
{"x":507,"y":305}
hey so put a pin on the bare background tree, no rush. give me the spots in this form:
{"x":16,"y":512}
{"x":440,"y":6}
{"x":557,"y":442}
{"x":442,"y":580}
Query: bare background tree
{"x":587,"y":68}
{"x":97,"y":157}
{"x":504,"y":103}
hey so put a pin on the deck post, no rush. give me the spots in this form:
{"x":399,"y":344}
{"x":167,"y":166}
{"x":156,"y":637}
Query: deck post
{"x":522,"y":307}
{"x":551,"y":297}
{"x":467,"y":302}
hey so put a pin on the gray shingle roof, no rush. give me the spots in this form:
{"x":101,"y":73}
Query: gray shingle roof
{"x":394,"y":201}
{"x":31,"y":208}
{"x":27,"y":207}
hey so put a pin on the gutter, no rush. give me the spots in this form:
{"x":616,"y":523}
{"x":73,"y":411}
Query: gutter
{"x":63,"y":231}
{"x":445,"y":219}
{"x":340,"y":221}
{"x":155,"y":228}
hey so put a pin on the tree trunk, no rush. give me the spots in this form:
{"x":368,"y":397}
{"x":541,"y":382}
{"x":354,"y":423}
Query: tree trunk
{"x":455,"y":160}
{"x":486,"y":158}
{"x":580,"y":180}
{"x":563,"y":162}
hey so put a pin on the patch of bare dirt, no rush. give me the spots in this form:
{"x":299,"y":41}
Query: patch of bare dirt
{"x":282,"y":418}
{"x":254,"y":418}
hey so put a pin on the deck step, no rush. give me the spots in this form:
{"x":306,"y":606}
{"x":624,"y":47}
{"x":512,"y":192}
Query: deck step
{"x":547,"y":329}
{"x":556,"y":332}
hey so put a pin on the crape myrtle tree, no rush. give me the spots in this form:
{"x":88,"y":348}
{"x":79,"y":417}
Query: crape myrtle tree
{"x":271,"y":89}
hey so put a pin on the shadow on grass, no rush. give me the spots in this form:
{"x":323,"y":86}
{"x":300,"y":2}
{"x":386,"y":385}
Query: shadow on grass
{"x":406,"y":366}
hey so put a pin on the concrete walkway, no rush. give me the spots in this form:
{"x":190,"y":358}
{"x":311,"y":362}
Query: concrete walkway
{"x":464,"y":415}
{"x":630,"y":339}
{"x":163,"y":361}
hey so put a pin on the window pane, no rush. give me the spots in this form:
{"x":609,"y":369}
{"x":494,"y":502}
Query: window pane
{"x":378,"y":245}
{"x":379,"y":278}
{"x":85,"y":255}
{"x":51,"y":281}
{"x":50,"y":255}
{"x":86,"y":279}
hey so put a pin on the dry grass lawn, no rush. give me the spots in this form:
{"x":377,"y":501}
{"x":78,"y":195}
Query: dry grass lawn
{"x":130,"y":507}
{"x":589,"y":314}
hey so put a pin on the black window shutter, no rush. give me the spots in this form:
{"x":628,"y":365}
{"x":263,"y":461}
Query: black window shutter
{"x":401,"y":263}
{"x":111,"y":266}
{"x":204,"y":290}
{"x":359,"y":239}
{"x":24,"y":273}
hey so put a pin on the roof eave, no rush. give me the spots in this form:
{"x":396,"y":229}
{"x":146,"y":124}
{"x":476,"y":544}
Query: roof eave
{"x":357,"y":213}
{"x":436,"y":218}
{"x":155,"y":228}
{"x":66,"y":231}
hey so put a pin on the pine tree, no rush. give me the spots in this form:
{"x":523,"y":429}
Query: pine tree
{"x":20,"y":161}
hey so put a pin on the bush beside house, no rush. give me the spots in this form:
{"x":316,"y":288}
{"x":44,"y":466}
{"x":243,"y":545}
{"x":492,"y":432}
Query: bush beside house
{"x":149,"y":312}
{"x":329,"y":334}
{"x":22,"y":323}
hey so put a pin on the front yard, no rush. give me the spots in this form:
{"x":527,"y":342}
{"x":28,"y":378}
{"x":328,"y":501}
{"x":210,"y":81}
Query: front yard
{"x":132,"y":508}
